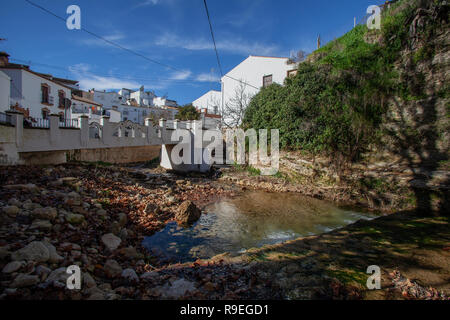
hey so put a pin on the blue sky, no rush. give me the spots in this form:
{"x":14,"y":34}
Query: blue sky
{"x":173,"y":32}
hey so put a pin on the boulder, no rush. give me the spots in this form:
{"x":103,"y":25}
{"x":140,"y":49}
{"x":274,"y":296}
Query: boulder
{"x":130,"y":275}
{"x":13,"y":266}
{"x":74,"y":218}
{"x":112,"y":268}
{"x":54,"y":257}
{"x":58,"y":277}
{"x":41,"y":225}
{"x":188,"y":213}
{"x":111,"y":242}
{"x":88,"y":280}
{"x":129,"y":253}
{"x":47,"y":213}
{"x":11,"y":211}
{"x":35,"y":251}
{"x":24,"y":280}
{"x":178,"y":289}
{"x":43,"y":271}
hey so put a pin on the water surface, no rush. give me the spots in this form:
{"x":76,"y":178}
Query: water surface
{"x":252,"y":220}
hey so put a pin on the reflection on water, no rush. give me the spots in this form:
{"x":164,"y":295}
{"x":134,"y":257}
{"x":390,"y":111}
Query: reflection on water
{"x":251,"y":220}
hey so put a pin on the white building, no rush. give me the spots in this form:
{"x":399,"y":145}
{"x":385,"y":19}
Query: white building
{"x":108,"y":99}
{"x":142,"y":97}
{"x":164,"y":102}
{"x":244,"y":81}
{"x":135,"y":106}
{"x":211,"y":101}
{"x":114,"y":115}
{"x":83,"y":106}
{"x":5,"y":91}
{"x":36,"y":94}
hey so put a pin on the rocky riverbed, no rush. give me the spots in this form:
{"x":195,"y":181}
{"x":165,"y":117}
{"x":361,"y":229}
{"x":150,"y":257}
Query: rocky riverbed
{"x":87,"y":215}
{"x":96,"y":217}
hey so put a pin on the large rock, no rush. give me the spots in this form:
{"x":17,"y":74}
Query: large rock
{"x":54,"y":257}
{"x":41,"y":225}
{"x":129,"y":253}
{"x":111,"y":242}
{"x":130,"y":275}
{"x":112,"y":268}
{"x":35,"y":251}
{"x":178,"y":289}
{"x":11,"y":211}
{"x":58,"y":277}
{"x":74,"y":218}
{"x":24,"y":280}
{"x":88,"y":280}
{"x":13,"y":266}
{"x":47,"y":213}
{"x":188,"y":213}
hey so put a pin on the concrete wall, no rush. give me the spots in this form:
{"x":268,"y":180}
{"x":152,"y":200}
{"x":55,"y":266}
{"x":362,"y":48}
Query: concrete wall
{"x":116,"y":142}
{"x":116,"y":155}
{"x":8,"y":150}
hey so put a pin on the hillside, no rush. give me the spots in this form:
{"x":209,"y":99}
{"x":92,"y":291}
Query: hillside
{"x":374,"y":104}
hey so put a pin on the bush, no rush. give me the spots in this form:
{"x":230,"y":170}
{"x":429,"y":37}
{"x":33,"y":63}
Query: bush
{"x":334,"y":106}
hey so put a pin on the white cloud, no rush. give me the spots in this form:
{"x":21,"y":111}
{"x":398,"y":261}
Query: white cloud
{"x":207,"y":77}
{"x":114,"y":37}
{"x":89,"y":80}
{"x":147,"y":3}
{"x":236,"y":45}
{"x":181,"y":75}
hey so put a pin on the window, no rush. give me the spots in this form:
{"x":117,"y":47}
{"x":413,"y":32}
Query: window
{"x":61,"y":96}
{"x":45,"y":89}
{"x":292,"y":73}
{"x":45,"y":113}
{"x":267,"y":81}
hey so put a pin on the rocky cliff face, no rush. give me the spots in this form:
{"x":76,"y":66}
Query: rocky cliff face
{"x":417,"y":124}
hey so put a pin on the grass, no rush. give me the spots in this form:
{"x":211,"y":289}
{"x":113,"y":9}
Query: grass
{"x":348,"y":276}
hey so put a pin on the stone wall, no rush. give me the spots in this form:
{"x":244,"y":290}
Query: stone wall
{"x":116,"y":155}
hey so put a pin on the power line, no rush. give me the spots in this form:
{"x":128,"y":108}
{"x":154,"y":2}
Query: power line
{"x":116,"y":76}
{"x":212,"y":36}
{"x":129,"y":50}
{"x":217,"y":53}
{"x":105,"y":40}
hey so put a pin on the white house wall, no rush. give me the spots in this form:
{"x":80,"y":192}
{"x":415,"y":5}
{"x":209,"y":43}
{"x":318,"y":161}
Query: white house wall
{"x":252,"y":71}
{"x":209,"y":101}
{"x":5,"y":91}
{"x":15,"y":85}
{"x":107,"y":99}
{"x":26,"y":90}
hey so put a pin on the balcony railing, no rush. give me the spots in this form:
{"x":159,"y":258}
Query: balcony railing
{"x":37,"y":123}
{"x":69,"y":124}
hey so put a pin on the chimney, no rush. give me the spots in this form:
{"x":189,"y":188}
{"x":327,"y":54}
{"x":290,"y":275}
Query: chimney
{"x":4,"y":59}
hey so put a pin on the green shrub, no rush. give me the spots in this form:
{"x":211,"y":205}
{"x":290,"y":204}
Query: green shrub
{"x":335,"y":105}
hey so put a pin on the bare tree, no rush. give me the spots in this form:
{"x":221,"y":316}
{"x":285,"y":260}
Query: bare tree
{"x":234,"y":109}
{"x":297,"y":57}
